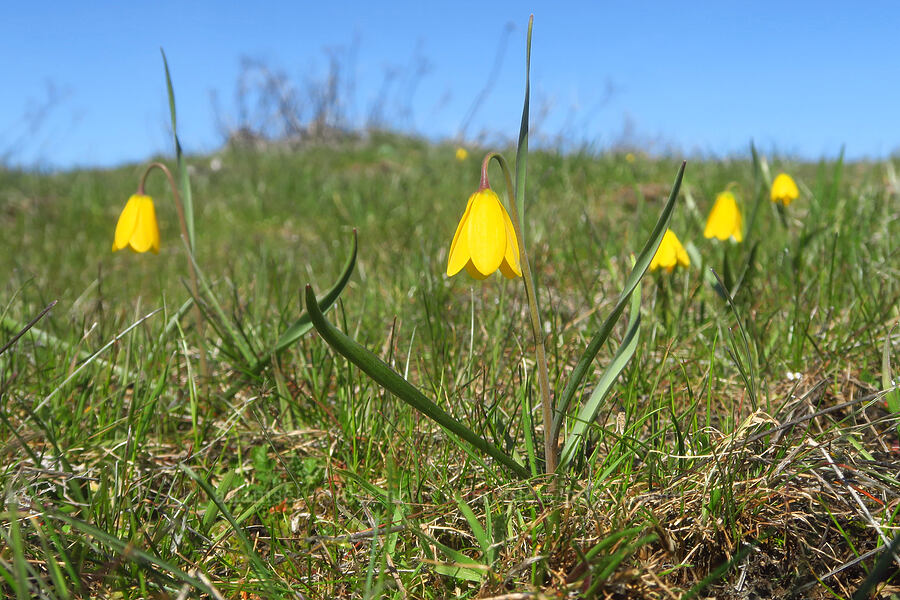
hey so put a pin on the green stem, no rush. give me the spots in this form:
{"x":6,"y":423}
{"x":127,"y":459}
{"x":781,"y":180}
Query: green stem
{"x":550,"y":443}
{"x":662,"y":293}
{"x":195,"y":288}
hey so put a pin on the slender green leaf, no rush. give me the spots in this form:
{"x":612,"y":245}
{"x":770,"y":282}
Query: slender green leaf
{"x":637,"y":273}
{"x":274,"y":492}
{"x":390,"y":380}
{"x":373,"y":490}
{"x":475,"y":525}
{"x":522,"y":147}
{"x":184,"y":181}
{"x":760,"y":166}
{"x":212,"y":511}
{"x":589,"y":409}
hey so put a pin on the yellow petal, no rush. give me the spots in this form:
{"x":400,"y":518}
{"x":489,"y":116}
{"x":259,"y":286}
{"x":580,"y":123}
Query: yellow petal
{"x":154,"y":243}
{"x":510,"y":266}
{"x":784,"y":190}
{"x":682,"y":256}
{"x":146,"y":232}
{"x":665,"y":254}
{"x":670,"y":253}
{"x":737,"y":231}
{"x":126,"y":224}
{"x":486,"y":232}
{"x":510,"y":270}
{"x":724,"y":219}
{"x":459,"y":248}
{"x":475,"y":273}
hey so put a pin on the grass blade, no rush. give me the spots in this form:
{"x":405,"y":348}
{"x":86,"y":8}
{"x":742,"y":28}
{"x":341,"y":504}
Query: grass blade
{"x":30,"y":324}
{"x":478,"y":529}
{"x":258,"y":565}
{"x":463,"y":567}
{"x":93,"y":356}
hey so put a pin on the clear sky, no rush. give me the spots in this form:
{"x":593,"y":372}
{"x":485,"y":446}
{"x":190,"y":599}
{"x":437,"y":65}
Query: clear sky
{"x":82,"y":82}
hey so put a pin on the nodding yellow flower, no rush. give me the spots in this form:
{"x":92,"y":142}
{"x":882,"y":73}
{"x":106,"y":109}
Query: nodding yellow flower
{"x":725,"y":219}
{"x":784,"y":190}
{"x":461,"y":154}
{"x":485,"y":239}
{"x":670,"y":253}
{"x":137,"y":228}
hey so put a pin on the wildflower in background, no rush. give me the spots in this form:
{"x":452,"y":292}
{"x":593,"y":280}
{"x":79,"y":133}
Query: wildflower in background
{"x":784,"y":190}
{"x":670,"y":253}
{"x":725,"y":219}
{"x":630,"y":158}
{"x":485,"y":239}
{"x":461,"y":154}
{"x":137,"y":228}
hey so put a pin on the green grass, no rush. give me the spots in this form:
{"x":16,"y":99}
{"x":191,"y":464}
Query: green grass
{"x":124,"y":476}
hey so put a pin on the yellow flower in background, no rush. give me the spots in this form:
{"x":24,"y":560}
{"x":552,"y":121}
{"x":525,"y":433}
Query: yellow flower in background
{"x":784,"y":190}
{"x":670,"y":253}
{"x":137,"y":228}
{"x":485,"y":239}
{"x":630,"y":158}
{"x":725,"y":219}
{"x":462,"y":154}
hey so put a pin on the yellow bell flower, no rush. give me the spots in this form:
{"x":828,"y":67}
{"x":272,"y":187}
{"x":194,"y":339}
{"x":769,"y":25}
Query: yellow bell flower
{"x":670,"y":253}
{"x":485,"y":239}
{"x":725,"y":219}
{"x":137,"y":228}
{"x":461,"y":154}
{"x":784,"y":190}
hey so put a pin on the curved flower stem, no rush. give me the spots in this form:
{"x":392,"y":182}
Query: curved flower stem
{"x":550,"y":445}
{"x":195,"y":288}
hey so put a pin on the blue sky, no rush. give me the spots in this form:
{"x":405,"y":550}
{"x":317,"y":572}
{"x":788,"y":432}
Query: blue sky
{"x":799,"y":78}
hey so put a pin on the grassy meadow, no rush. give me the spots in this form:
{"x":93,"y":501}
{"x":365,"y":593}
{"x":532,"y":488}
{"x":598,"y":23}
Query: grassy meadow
{"x":746,"y":451}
